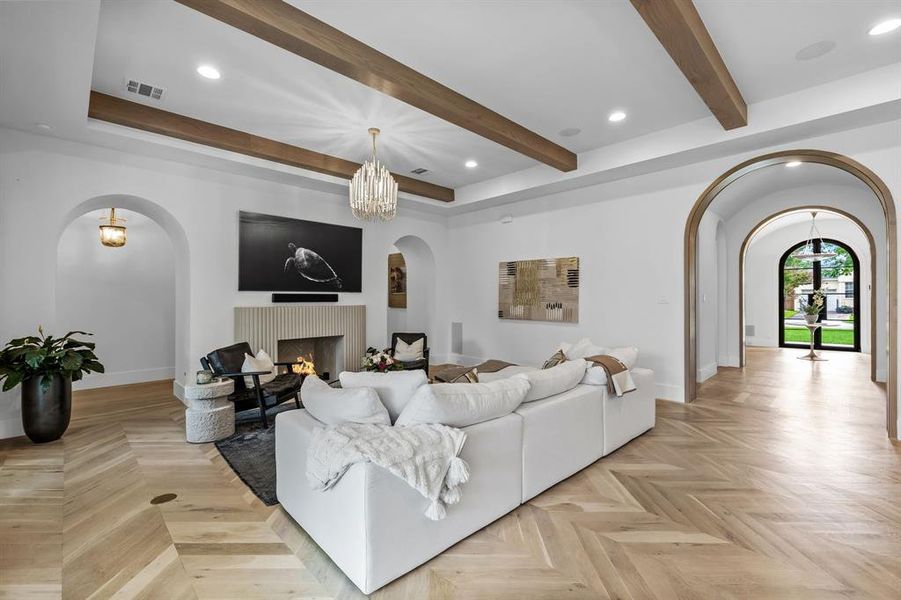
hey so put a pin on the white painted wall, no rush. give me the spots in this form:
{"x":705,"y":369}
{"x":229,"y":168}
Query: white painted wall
{"x":198,"y":206}
{"x":124,"y":296}
{"x":762,"y":276}
{"x":629,"y":235}
{"x":710,"y":236}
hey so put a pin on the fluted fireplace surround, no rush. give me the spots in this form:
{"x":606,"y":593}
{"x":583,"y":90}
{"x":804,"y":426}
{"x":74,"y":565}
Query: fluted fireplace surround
{"x":283,"y":329}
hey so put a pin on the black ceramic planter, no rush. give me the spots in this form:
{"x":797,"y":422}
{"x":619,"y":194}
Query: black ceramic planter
{"x":45,"y":415}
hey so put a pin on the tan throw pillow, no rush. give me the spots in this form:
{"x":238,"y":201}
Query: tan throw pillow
{"x":470,"y":376}
{"x":558,"y":358}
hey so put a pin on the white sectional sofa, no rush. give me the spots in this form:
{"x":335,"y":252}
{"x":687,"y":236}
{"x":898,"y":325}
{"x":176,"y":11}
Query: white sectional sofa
{"x":371,"y":523}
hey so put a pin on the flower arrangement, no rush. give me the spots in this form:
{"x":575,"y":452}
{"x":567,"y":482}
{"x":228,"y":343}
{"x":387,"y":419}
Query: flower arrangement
{"x":815,"y":305}
{"x":380,"y":361}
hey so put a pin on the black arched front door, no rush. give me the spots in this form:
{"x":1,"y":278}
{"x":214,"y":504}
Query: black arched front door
{"x":839,"y":279}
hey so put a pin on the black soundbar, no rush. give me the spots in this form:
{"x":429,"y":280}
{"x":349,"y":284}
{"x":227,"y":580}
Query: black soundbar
{"x":287,"y":298}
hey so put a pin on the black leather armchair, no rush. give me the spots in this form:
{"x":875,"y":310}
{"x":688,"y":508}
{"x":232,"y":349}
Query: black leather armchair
{"x":227,"y":362}
{"x":410,"y":338}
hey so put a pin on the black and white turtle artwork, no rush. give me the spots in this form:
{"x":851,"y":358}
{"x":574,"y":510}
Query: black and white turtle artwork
{"x":310,"y":265}
{"x":281,"y":254}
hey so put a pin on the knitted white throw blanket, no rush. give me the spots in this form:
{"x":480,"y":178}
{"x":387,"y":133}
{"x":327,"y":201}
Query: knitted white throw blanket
{"x":427,"y":457}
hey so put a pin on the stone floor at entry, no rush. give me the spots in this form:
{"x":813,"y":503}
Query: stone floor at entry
{"x":778,"y":482}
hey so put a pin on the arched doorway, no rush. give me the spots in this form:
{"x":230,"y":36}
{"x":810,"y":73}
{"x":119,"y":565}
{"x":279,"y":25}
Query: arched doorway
{"x":181,"y":259}
{"x":886,"y":202}
{"x":838,"y":279}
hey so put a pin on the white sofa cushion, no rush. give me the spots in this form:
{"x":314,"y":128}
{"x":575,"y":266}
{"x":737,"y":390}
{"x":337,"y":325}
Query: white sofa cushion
{"x":261,"y":362}
{"x":556,"y":380}
{"x":334,"y":406}
{"x":561,"y":435}
{"x":504,"y":373}
{"x":371,"y":523}
{"x":394,"y":388}
{"x":462,"y":404}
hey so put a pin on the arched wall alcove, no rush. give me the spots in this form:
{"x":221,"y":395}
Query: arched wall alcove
{"x":421,"y":284}
{"x":890,"y":266}
{"x":180,"y":250}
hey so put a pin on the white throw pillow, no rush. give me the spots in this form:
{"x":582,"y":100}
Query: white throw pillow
{"x":394,"y":388}
{"x":581,"y":349}
{"x":628,"y":355}
{"x":334,"y":406}
{"x":595,"y":375}
{"x":261,"y":362}
{"x":556,"y":380}
{"x":462,"y":404}
{"x":405,"y":352}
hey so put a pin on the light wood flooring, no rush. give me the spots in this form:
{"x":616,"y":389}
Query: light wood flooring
{"x":778,"y":482}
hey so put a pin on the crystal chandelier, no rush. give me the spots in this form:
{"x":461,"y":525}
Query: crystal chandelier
{"x":112,"y":230}
{"x":810,"y":251}
{"x":373,"y":191}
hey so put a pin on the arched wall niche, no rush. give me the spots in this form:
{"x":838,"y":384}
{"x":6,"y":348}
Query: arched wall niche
{"x":421,"y":284}
{"x":886,"y":202}
{"x":181,"y":256}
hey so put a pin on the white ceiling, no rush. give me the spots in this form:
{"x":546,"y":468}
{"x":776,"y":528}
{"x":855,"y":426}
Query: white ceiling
{"x":758,"y":40}
{"x":769,"y":180}
{"x":548,"y":65}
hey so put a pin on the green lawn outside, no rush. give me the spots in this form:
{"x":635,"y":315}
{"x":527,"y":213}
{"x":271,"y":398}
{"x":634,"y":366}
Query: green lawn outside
{"x":843,"y":337}
{"x":788,"y":314}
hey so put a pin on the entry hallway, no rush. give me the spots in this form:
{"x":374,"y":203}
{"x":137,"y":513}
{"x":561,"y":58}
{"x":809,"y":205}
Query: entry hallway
{"x":778,"y":482}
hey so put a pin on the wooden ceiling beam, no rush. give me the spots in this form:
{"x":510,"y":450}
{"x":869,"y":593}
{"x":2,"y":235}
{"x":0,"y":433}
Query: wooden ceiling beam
{"x":679,"y":27}
{"x":289,"y":28}
{"x":147,"y":118}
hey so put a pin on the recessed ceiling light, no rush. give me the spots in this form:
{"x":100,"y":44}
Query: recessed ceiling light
{"x":570,"y":132}
{"x":209,"y":72}
{"x":43,"y":126}
{"x":616,"y":116}
{"x":815,"y":50}
{"x":793,"y":163}
{"x":471,"y":164}
{"x":885,"y":26}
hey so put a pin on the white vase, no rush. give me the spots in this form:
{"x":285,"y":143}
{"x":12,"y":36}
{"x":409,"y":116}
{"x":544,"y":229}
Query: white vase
{"x":811,"y":319}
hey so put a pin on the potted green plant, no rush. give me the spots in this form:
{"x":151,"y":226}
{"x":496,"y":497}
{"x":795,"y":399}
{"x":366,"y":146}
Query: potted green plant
{"x":813,"y":307}
{"x":46,"y":366}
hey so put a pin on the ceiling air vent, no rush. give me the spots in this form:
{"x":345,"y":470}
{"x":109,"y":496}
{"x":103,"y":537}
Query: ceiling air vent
{"x":144,"y":89}
{"x":419,"y":171}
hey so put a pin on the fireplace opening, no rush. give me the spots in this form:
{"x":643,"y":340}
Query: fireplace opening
{"x":326,"y":353}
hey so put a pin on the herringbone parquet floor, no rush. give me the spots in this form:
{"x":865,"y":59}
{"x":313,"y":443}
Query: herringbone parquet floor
{"x":778,"y":482}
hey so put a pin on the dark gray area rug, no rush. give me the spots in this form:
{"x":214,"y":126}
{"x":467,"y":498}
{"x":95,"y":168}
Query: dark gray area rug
{"x":251,"y":451}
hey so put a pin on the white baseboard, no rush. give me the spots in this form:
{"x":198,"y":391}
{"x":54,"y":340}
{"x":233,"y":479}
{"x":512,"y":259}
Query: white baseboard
{"x":178,"y":390}
{"x":706,"y":372}
{"x":98,"y":380}
{"x":668,"y":391}
{"x":11,"y":427}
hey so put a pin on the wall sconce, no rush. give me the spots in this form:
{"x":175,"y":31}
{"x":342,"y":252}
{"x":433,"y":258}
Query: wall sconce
{"x":112,"y":230}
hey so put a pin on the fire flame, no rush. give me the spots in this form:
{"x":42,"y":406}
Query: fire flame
{"x":304,"y":366}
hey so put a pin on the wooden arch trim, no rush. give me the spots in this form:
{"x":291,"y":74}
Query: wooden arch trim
{"x":832,"y":159}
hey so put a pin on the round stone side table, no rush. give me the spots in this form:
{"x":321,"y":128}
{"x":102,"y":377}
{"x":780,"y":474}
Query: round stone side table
{"x":209,"y":416}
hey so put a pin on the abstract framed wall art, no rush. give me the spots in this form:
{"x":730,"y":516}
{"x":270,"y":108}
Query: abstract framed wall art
{"x":539,"y":290}
{"x":397,"y":281}
{"x":293,"y":255}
